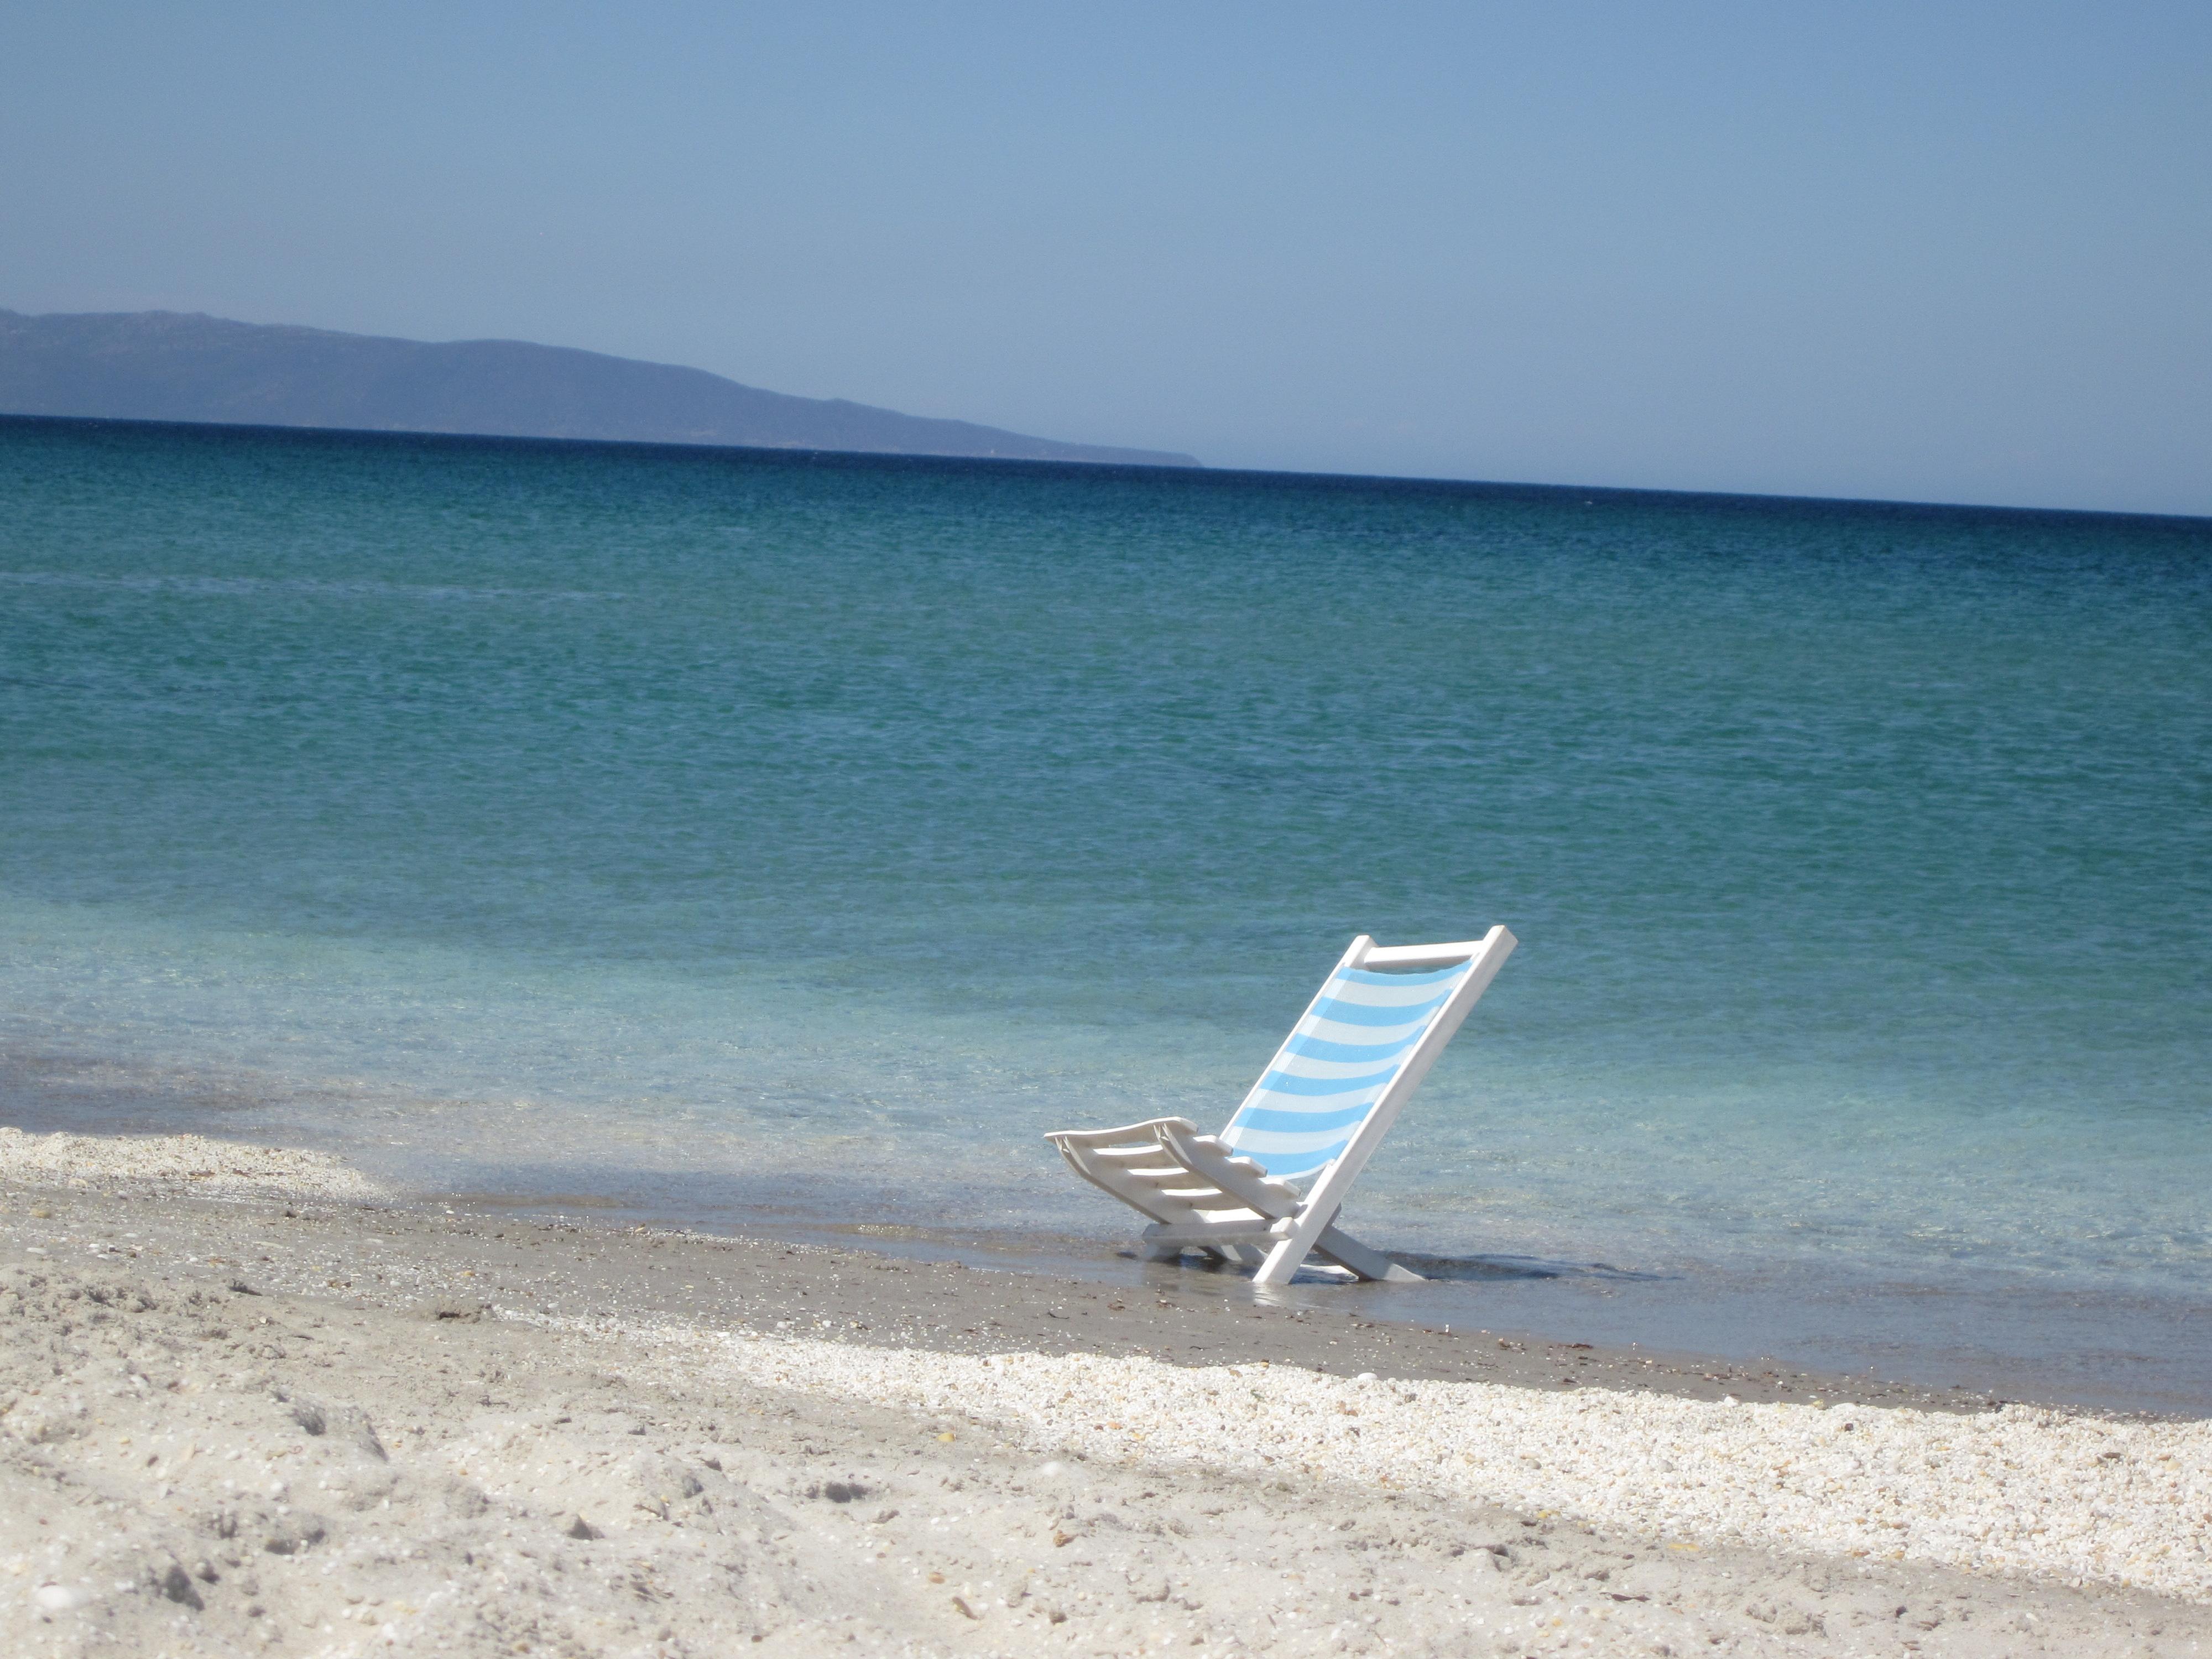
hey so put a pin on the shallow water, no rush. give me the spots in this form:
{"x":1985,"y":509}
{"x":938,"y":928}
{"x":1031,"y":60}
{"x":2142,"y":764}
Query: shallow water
{"x":719,"y":827}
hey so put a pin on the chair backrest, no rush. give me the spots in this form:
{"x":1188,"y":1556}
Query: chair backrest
{"x":1364,"y":1041}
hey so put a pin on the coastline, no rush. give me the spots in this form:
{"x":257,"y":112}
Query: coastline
{"x":551,"y":1395}
{"x":1975,"y":1331}
{"x":1974,"y":1336}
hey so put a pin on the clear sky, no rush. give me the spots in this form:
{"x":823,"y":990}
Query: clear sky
{"x":1923,"y":251}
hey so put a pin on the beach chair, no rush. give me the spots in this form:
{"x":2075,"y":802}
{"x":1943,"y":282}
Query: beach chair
{"x":1315,"y":1117}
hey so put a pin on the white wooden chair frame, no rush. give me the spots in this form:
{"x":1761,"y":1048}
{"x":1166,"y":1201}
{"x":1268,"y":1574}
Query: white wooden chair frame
{"x":1200,"y":1194}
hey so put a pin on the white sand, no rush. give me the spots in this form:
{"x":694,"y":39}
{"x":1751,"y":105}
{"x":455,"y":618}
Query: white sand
{"x":2019,"y":1489}
{"x":208,"y":1166}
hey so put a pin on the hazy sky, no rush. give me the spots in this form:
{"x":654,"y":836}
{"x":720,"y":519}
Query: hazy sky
{"x":1925,"y":250}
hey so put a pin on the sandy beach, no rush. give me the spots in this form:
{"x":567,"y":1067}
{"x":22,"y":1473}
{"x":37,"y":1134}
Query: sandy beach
{"x":251,"y":1403}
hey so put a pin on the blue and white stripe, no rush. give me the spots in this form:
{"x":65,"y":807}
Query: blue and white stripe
{"x":1325,"y":1080}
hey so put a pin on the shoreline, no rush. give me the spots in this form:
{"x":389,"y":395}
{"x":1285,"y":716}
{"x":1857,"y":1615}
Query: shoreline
{"x":1187,"y":1315}
{"x":1977,"y":1333}
{"x":619,"y":1381}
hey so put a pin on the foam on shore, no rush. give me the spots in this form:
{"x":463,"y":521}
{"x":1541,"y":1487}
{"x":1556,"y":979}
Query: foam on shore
{"x":2020,"y":1489}
{"x":193,"y":1161}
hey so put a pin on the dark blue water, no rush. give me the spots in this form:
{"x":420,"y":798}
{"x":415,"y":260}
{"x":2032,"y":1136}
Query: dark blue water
{"x":825,"y":829}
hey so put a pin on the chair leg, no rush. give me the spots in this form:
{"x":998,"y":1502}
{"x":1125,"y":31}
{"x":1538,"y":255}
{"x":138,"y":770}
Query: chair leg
{"x":1283,"y":1259}
{"x":1150,"y":1252}
{"x":1347,"y":1251}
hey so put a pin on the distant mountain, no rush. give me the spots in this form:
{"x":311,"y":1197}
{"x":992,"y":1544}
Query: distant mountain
{"x":171,"y":366}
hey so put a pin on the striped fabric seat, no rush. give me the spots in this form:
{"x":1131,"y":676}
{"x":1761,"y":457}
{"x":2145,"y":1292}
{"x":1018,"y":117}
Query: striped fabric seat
{"x":1325,"y":1080}
{"x":1265,"y":1191}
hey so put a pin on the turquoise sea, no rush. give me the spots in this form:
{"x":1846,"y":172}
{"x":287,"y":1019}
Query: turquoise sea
{"x":754,"y":837}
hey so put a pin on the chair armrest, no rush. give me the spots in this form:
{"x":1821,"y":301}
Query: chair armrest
{"x":1127,"y":1132}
